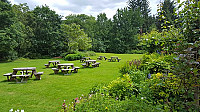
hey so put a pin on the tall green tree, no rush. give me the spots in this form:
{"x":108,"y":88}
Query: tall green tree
{"x":6,"y":14}
{"x":7,"y":18}
{"x":75,"y":38}
{"x":166,"y":15}
{"x":143,"y":7}
{"x":87,"y":23}
{"x":126,"y":24}
{"x":21,"y":29}
{"x":45,"y":25}
{"x":101,"y":40}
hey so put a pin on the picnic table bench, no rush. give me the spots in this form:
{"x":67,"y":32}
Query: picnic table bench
{"x":56,"y":70}
{"x":65,"y":67}
{"x":96,"y":64}
{"x":75,"y":70}
{"x":38,"y":75}
{"x":90,"y":62}
{"x":8,"y":75}
{"x":23,"y":77}
{"x":67,"y":70}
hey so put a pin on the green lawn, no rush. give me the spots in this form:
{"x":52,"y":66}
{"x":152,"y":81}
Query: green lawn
{"x":47,"y":94}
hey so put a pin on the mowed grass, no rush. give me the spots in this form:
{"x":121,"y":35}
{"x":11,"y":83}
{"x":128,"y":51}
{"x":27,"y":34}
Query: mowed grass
{"x":47,"y":94}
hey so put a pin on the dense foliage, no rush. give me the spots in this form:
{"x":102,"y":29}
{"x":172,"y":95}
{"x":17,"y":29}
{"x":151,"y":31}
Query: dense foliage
{"x":41,"y":33}
{"x":167,"y":80}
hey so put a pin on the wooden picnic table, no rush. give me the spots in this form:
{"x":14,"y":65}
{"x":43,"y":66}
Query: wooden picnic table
{"x":101,"y":58}
{"x":114,"y":58}
{"x":88,"y":62}
{"x":54,"y":63}
{"x":65,"y":65}
{"x":25,"y":73}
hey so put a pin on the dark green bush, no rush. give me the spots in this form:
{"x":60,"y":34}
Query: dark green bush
{"x":63,"y":54}
{"x":71,"y":57}
{"x":155,"y":63}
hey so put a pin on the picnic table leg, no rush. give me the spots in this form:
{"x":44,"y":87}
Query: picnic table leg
{"x":14,"y":73}
{"x":8,"y":78}
{"x":22,"y":79}
{"x":66,"y":72}
{"x":38,"y":77}
{"x":33,"y":72}
{"x":16,"y":80}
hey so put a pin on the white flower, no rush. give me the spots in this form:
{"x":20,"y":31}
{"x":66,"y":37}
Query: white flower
{"x":142,"y":98}
{"x":152,"y":37}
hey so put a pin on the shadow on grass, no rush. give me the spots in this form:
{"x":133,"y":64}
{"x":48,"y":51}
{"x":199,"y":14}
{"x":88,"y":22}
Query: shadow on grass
{"x":88,"y":67}
{"x":4,"y":81}
{"x":6,"y":61}
{"x":49,"y":67}
{"x":63,"y":74}
{"x":14,"y":81}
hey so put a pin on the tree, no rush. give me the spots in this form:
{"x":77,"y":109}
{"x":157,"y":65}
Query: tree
{"x":166,"y":15}
{"x":126,"y":24}
{"x":45,"y":25}
{"x":6,"y":14}
{"x":102,"y":33}
{"x":87,"y":23}
{"x":143,"y":7}
{"x":7,"y":44}
{"x":186,"y":59}
{"x":75,"y":39}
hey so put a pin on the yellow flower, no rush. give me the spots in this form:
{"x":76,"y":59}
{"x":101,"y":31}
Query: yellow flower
{"x":106,"y":108}
{"x":158,"y":75}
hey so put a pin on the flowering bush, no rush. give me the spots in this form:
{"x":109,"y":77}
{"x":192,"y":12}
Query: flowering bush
{"x":104,"y":103}
{"x":130,"y":66}
{"x":122,"y":87}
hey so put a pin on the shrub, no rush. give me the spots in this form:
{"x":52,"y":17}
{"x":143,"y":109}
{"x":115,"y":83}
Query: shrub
{"x":102,"y":103}
{"x":138,"y":76}
{"x":130,"y":66}
{"x":155,"y":63}
{"x":164,"y":89}
{"x":63,"y":54}
{"x":122,"y":87}
{"x":71,"y":57}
